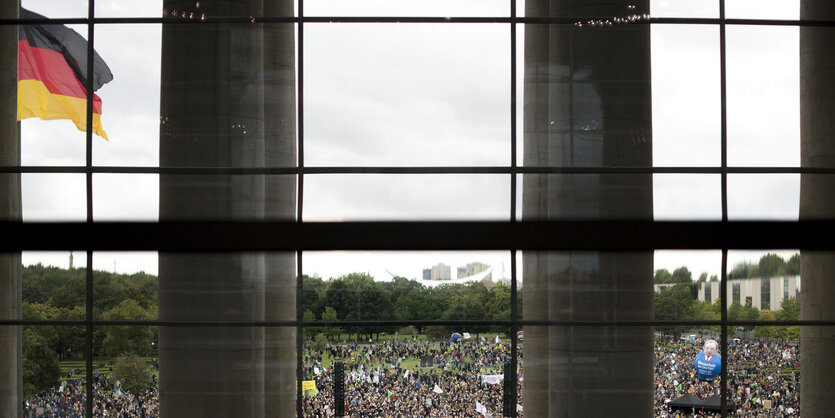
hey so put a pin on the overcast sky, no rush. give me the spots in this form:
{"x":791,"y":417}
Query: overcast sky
{"x":439,"y":96}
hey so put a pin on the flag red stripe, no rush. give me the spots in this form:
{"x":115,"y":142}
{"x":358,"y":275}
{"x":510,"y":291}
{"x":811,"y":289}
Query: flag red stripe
{"x":50,"y":67}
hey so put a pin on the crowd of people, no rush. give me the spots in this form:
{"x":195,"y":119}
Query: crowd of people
{"x":458,"y":379}
{"x":763,"y":378}
{"x":416,"y":377}
{"x":70,"y":400}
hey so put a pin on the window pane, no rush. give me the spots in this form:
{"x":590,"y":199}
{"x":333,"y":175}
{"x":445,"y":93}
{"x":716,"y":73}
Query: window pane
{"x":54,"y":197}
{"x":466,"y":8}
{"x":679,"y":386}
{"x":127,"y":382}
{"x":219,"y":107}
{"x":762,"y":9}
{"x":591,"y":104}
{"x":404,"y":286}
{"x":54,"y":291}
{"x":252,"y":287}
{"x":684,"y":8}
{"x":687,"y":287}
{"x":252,"y":370}
{"x":57,"y":140}
{"x":226,"y":197}
{"x":131,"y":101}
{"x":603,"y":371}
{"x":685,"y":95}
{"x":764,"y":286}
{"x":586,"y":197}
{"x":126,"y":197}
{"x":763,"y":196}
{"x":763,"y":96}
{"x":766,"y":369}
{"x":372,"y":197}
{"x":136,"y":8}
{"x":125,"y":287}
{"x":53,"y":362}
{"x":191,"y":10}
{"x":686,"y":197}
{"x":611,"y":10}
{"x":407,"y":94}
{"x":407,"y":374}
{"x":54,"y":10}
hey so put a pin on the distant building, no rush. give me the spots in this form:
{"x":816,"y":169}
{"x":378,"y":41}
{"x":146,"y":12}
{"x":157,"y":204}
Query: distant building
{"x":474,"y":268}
{"x":441,"y":271}
{"x":759,"y":292}
{"x":427,"y":274}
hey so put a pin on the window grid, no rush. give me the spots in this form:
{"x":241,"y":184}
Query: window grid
{"x":108,"y":232}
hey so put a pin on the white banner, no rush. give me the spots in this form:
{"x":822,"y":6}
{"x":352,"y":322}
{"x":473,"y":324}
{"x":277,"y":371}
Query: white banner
{"x":492,"y":379}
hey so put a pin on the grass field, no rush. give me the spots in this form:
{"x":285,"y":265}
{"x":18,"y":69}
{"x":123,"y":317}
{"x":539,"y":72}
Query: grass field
{"x":100,"y":365}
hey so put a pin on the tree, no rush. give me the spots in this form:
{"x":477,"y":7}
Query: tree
{"x":329,"y":315}
{"x":740,"y":271}
{"x":738,"y":312}
{"x":766,"y":331}
{"x":789,"y":310}
{"x":702,"y":278}
{"x":674,"y":304}
{"x":40,"y":365}
{"x":682,"y":275}
{"x":308,"y":317}
{"x":663,"y":276}
{"x":436,"y":332}
{"x":771,"y":265}
{"x":793,"y":265}
{"x":132,"y":372}
{"x":134,"y":339}
{"x":313,"y":294}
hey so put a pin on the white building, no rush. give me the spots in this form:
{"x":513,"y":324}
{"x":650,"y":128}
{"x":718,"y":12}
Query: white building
{"x":441,"y":271}
{"x":760,"y":292}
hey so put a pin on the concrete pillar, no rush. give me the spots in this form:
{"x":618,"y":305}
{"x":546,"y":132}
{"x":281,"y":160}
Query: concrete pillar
{"x":280,"y":204}
{"x":817,"y":149}
{"x":11,"y":383}
{"x":587,"y":103}
{"x":221,"y":107}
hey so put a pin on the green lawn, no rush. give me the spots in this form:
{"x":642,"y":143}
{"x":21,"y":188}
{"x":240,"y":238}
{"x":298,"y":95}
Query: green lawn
{"x":100,"y":364}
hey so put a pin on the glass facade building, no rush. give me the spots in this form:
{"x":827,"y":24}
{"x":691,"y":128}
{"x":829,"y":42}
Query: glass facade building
{"x":572,"y":145}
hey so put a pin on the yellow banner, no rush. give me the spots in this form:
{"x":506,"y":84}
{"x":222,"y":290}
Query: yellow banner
{"x":308,"y":385}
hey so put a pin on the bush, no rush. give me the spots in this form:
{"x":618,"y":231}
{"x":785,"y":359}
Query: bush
{"x":436,"y":332}
{"x":133,"y":372}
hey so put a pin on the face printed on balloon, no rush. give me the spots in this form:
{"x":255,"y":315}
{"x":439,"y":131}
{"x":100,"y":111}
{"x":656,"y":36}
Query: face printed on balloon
{"x":711,"y":348}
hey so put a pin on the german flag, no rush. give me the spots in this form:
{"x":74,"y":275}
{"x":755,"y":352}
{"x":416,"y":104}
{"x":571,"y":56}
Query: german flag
{"x":52,"y":74}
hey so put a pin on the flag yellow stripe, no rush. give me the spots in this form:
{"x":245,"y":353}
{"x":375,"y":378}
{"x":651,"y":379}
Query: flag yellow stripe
{"x":35,"y":100}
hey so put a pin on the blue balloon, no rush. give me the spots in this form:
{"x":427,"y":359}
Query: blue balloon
{"x":455,"y":337}
{"x":708,"y":369}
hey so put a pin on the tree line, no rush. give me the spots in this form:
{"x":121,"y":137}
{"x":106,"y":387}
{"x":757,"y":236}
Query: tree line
{"x":677,"y":303}
{"x":52,"y":293}
{"x":769,"y":265}
{"x":357,"y":296}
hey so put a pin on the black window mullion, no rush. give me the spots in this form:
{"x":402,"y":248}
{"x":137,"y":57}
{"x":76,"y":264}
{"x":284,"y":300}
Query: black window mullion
{"x":89,"y":194}
{"x":723,"y":111}
{"x":299,"y":209}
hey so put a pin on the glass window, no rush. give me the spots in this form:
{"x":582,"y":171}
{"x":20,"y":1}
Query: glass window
{"x":406,"y":95}
{"x":498,"y":124}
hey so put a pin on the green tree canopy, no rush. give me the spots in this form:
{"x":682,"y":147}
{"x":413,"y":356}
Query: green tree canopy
{"x":682,"y":275}
{"x":663,"y":276}
{"x":133,"y":373}
{"x":133,"y":339}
